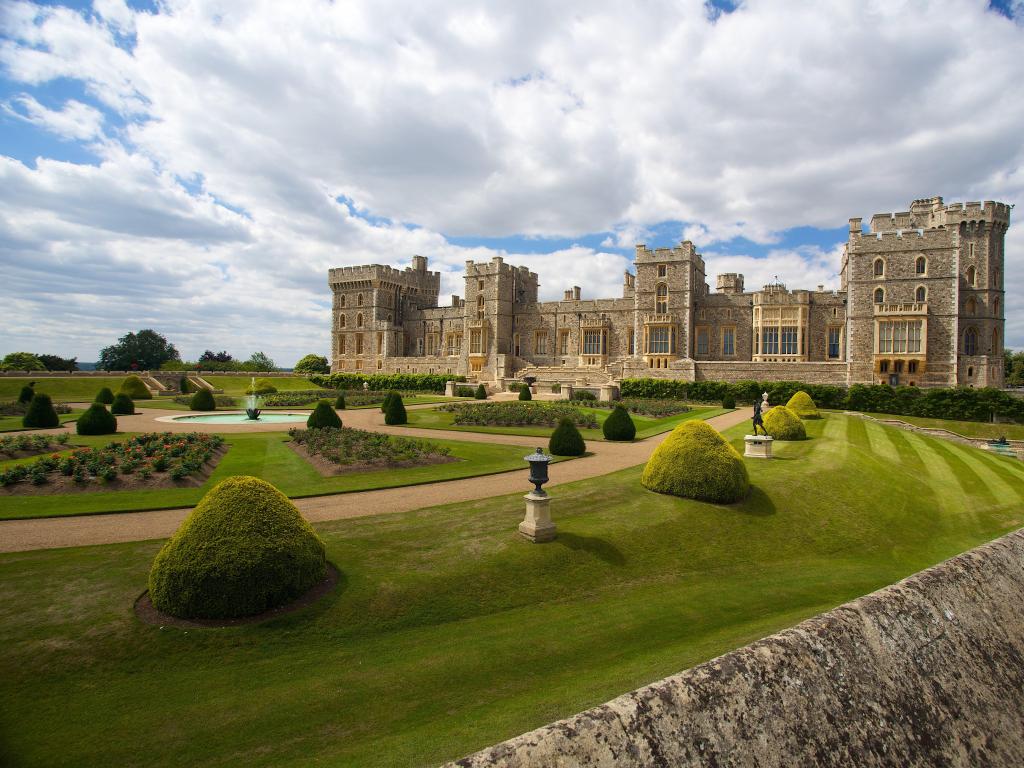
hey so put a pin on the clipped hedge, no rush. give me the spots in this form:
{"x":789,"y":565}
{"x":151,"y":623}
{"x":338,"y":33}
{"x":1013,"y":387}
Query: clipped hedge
{"x":323,"y":416}
{"x":566,"y":440}
{"x":696,"y":462}
{"x":525,"y":394}
{"x":243,"y":550}
{"x":135,"y":388}
{"x":104,"y":396}
{"x":803,"y":406}
{"x":394,"y":410}
{"x":783,"y":424}
{"x":41,"y":413}
{"x":96,"y":420}
{"x":202,"y":400}
{"x":122,"y":405}
{"x":409,"y":382}
{"x":619,"y":426}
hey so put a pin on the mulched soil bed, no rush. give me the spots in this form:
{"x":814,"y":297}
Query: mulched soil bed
{"x":60,"y":484}
{"x":51,"y":448}
{"x":148,"y":613}
{"x":328,"y":468}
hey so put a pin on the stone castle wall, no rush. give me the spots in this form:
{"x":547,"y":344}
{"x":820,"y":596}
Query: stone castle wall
{"x":926,"y":672}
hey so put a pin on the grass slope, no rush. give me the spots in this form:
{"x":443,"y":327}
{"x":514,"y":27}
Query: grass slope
{"x":71,"y":389}
{"x":979,"y":429}
{"x":450,"y":632}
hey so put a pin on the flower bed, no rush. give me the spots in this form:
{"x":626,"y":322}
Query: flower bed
{"x":348,"y":449}
{"x":299,"y":397}
{"x":646,"y":406}
{"x":14,"y":408}
{"x":20,"y":446}
{"x":222,"y":401}
{"x":517,"y":414}
{"x":149,"y":459}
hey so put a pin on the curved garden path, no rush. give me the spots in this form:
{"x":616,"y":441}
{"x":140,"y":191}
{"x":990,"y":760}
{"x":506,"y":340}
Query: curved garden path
{"x":605,"y":457}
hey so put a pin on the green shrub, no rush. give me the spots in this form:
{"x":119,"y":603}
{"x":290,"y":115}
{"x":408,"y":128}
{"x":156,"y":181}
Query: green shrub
{"x":122,"y":405}
{"x":525,"y":394}
{"x":782,"y":424}
{"x":515,"y":414}
{"x":465,"y":392}
{"x":619,"y":425}
{"x":583,"y":395}
{"x":566,"y":440}
{"x":728,"y":401}
{"x":481,"y":392}
{"x":262,"y":387}
{"x":395,"y":410}
{"x":387,"y":401}
{"x":312,"y":364}
{"x":323,"y":416}
{"x":803,"y":406}
{"x":183,"y":386}
{"x":243,"y":550}
{"x":97,"y":420}
{"x":408,"y":382}
{"x":339,"y":402}
{"x":136,"y":388}
{"x":696,"y":462}
{"x":40,"y":413}
{"x":203,"y":400}
{"x":26,"y":394}
{"x":104,"y":396}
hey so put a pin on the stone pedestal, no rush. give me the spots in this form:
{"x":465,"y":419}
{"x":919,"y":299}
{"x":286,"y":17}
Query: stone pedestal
{"x":566,"y":391}
{"x":608,"y":392}
{"x":449,"y":389}
{"x":758,"y":446}
{"x":537,"y":525}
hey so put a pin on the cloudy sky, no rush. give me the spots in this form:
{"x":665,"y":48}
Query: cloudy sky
{"x":196,"y":166}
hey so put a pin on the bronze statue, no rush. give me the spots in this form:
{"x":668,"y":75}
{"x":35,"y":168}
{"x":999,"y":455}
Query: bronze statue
{"x":757,"y":419}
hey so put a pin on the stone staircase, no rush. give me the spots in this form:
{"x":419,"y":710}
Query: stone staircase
{"x":579,"y":376}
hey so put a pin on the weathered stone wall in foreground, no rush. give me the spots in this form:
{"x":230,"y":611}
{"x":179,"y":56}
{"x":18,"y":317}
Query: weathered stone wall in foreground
{"x":927,"y":672}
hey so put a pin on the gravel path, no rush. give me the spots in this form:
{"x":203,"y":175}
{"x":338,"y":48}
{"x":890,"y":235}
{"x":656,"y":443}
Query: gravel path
{"x":23,"y":535}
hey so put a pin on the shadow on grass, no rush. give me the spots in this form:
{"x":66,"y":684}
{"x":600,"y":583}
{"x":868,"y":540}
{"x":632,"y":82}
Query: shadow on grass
{"x":758,"y":504}
{"x":600,"y":548}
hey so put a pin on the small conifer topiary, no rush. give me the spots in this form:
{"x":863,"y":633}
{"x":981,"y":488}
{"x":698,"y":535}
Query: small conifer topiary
{"x":782,"y":424}
{"x":40,"y":413}
{"x":136,"y":388}
{"x":619,"y":425}
{"x":524,"y":393}
{"x":97,"y":420}
{"x":183,"y":386}
{"x":803,"y":406}
{"x":243,"y":550}
{"x":203,"y":400}
{"x":395,"y":413}
{"x":566,"y":440}
{"x":27,"y":393}
{"x":339,"y":403}
{"x":122,"y":405}
{"x":104,"y":396}
{"x":323,"y":416}
{"x":481,"y":392}
{"x":696,"y":462}
{"x":728,"y":401}
{"x":387,"y":401}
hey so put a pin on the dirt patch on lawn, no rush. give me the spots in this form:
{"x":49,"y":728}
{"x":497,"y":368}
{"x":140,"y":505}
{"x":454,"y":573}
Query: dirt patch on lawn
{"x":59,"y":484}
{"x":328,"y":468}
{"x":148,"y":612}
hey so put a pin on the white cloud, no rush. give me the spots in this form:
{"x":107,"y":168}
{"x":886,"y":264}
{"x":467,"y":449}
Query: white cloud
{"x":74,"y":120}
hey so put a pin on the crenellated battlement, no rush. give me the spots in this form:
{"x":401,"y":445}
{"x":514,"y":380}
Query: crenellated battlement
{"x":685,"y":251}
{"x":901,"y":239}
{"x":932,"y":213}
{"x":378,"y":272}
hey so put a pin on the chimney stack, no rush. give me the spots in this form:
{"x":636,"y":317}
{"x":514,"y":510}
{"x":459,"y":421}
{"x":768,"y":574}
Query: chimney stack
{"x":576,"y":293}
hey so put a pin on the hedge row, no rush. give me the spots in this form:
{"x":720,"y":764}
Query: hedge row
{"x":409,"y":382}
{"x":962,"y":403}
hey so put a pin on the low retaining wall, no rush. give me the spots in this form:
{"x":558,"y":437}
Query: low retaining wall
{"x":927,"y":672}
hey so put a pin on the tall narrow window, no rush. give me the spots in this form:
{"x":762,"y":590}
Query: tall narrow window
{"x":770,"y":341}
{"x":971,"y":308}
{"x":971,"y":342}
{"x":341,"y":301}
{"x":659,"y":341}
{"x":921,"y":265}
{"x":789,"y":340}
{"x":480,"y":307}
{"x":833,"y":343}
{"x":702,"y":341}
{"x":593,"y":343}
{"x":380,"y":343}
{"x":879,"y":296}
{"x":359,"y":343}
{"x":995,"y":307}
{"x":359,"y":320}
{"x":970,"y":251}
{"x":359,"y":300}
{"x":972,"y":273}
{"x":475,"y":343}
{"x":540,"y":343}
{"x":563,"y":342}
{"x":632,"y":341}
{"x":341,"y":344}
{"x":921,"y":294}
{"x":728,"y":341}
{"x":662,"y":270}
{"x":341,"y":321}
{"x":661,"y":300}
{"x":515,"y":345}
{"x":995,"y":341}
{"x":879,"y":268}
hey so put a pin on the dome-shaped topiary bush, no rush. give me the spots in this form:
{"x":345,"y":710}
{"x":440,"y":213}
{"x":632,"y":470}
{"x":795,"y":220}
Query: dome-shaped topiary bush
{"x":339,"y":403}
{"x":525,"y":393}
{"x":395,"y":413}
{"x":263,"y":387}
{"x":97,"y":420}
{"x":243,"y":550}
{"x":802,"y":405}
{"x":104,"y":396}
{"x":481,"y":392}
{"x":728,"y":401}
{"x":566,"y":440}
{"x":41,"y":413}
{"x":202,"y":400}
{"x":122,"y":405}
{"x":136,"y":388}
{"x":619,"y":426}
{"x":323,"y":416}
{"x":782,"y":424}
{"x":696,"y":462}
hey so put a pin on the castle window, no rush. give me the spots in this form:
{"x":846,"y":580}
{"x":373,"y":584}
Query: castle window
{"x":970,"y":372}
{"x":359,"y":300}
{"x":359,"y":343}
{"x":921,"y":265}
{"x":970,"y":252}
{"x":789,"y":341}
{"x":995,"y":307}
{"x":972,"y":273}
{"x":540,"y":343}
{"x":563,"y":342}
{"x":879,"y":296}
{"x":475,"y":341}
{"x":898,"y":366}
{"x":454,"y":344}
{"x":883,"y":366}
{"x":995,"y":341}
{"x":480,"y":307}
{"x":971,"y":308}
{"x":515,"y":345}
{"x":359,"y":365}
{"x":879,"y":268}
{"x":380,"y":364}
{"x":341,"y":301}
{"x":833,"y":343}
{"x":702,"y":341}
{"x":921,"y":294}
{"x":594,"y":343}
{"x":341,"y":344}
{"x":662,"y":270}
{"x":359,"y":320}
{"x":912,"y":366}
{"x":701,"y":315}
{"x":971,"y":342}
{"x":632,"y":341}
{"x":729,"y":341}
{"x":432,"y":343}
{"x":661,"y":299}
{"x":341,"y":321}
{"x":770,"y":341}
{"x":728,"y":314}
{"x":380,"y":343}
{"x":899,"y":337}
{"x":659,"y":341}
{"x":835,"y":311}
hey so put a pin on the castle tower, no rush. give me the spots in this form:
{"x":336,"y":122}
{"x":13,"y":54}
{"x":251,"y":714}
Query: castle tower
{"x":667,"y":282}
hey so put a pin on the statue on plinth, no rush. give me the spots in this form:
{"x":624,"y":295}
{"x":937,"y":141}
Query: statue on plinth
{"x":758,"y":422}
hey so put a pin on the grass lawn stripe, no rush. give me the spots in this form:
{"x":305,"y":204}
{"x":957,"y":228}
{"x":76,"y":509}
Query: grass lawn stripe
{"x":963,"y":469}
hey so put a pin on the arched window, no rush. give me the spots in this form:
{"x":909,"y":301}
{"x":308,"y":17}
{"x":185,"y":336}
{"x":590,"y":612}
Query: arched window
{"x":341,"y":301}
{"x":921,"y":265}
{"x":972,"y":275}
{"x":359,"y":300}
{"x":341,"y":321}
{"x":480,"y":306}
{"x":971,"y":308}
{"x":995,"y":307}
{"x":359,"y":320}
{"x":971,"y":342}
{"x":879,"y":267}
{"x":995,"y":341}
{"x":879,"y":296}
{"x":921,"y":294}
{"x":995,"y":279}
{"x":661,"y":299}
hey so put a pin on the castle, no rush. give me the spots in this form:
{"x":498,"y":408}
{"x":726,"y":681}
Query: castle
{"x":920,"y":303}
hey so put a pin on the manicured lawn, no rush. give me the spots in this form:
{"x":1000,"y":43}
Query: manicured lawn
{"x":449,"y":632}
{"x":978,"y":429}
{"x":266,"y":455}
{"x":81,"y":389}
{"x":236,"y":385}
{"x":13,"y":423}
{"x":169,"y":403}
{"x":432,"y":418}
